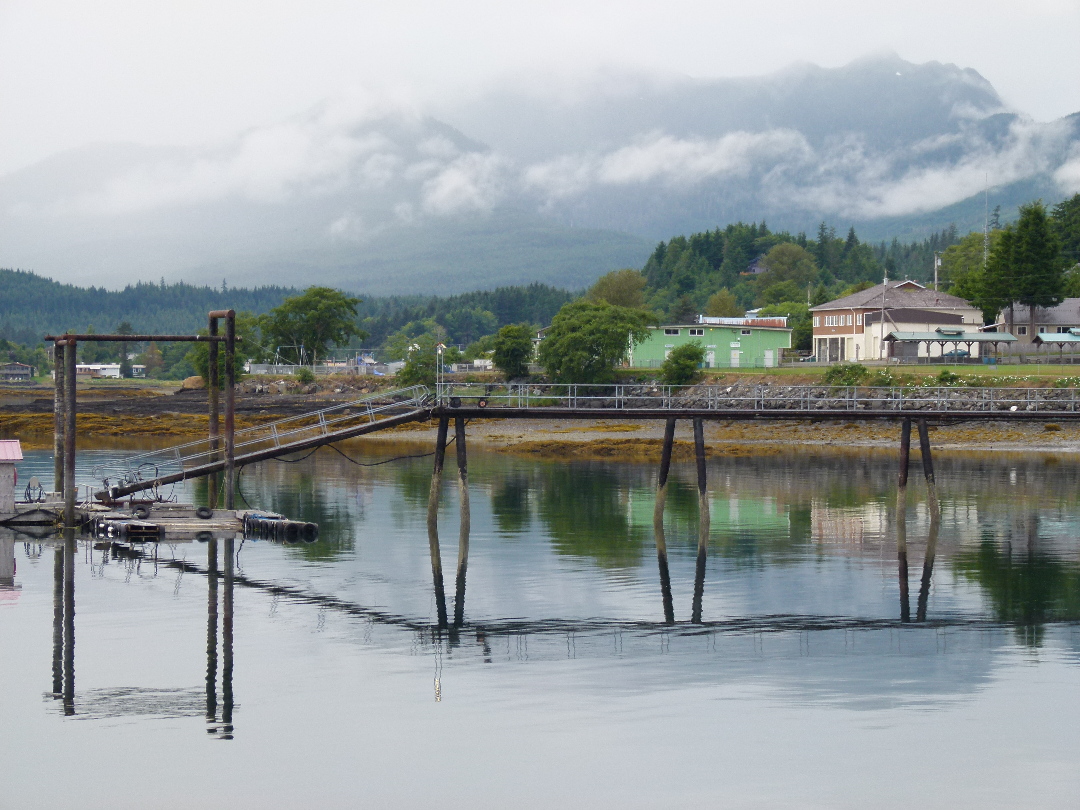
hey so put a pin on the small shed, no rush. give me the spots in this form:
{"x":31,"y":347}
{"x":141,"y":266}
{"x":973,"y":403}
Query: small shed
{"x":10,"y":452}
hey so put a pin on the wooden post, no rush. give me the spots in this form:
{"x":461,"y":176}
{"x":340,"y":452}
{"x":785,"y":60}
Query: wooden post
{"x":928,"y":471}
{"x":230,"y":409}
{"x":59,"y":368}
{"x":211,"y":628}
{"x":214,"y":400}
{"x":227,"y":642}
{"x":433,"y":521}
{"x":703,"y":520}
{"x":901,"y":520}
{"x":465,"y":521}
{"x":69,"y":432}
{"x":658,"y":521}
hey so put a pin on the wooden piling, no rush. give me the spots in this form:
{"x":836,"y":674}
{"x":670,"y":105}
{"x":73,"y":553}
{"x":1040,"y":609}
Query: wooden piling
{"x":928,"y":470}
{"x":433,"y":520}
{"x":658,"y":522}
{"x":703,"y":520}
{"x":59,"y":368}
{"x":465,"y":522}
{"x":901,"y":520}
{"x":230,"y":409}
{"x":214,"y":401}
{"x":70,"y":350}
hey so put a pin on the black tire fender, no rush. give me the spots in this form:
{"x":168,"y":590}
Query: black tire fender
{"x":141,"y":512}
{"x":204,"y":513}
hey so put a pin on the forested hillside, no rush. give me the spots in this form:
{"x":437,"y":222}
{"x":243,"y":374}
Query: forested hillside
{"x":31,"y":306}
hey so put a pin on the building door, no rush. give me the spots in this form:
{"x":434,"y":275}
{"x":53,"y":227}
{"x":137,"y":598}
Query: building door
{"x":710,"y":359}
{"x":769,"y":361}
{"x":735,"y":358}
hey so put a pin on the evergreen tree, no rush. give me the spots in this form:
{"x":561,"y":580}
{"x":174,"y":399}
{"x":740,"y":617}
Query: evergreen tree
{"x":1066,"y":224}
{"x":1035,"y":264}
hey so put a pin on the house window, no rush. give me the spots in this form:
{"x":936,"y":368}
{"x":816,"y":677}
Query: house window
{"x":817,"y":321}
{"x":1064,"y":330}
{"x":833,"y":320}
{"x":850,"y":320}
{"x":1021,"y":330}
{"x":672,"y":331}
{"x":745,"y":332}
{"x":858,"y":319}
{"x":697,"y":333}
{"x":1042,"y":330}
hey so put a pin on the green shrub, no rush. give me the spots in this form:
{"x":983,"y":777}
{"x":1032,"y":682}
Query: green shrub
{"x":682,"y":366}
{"x":882,"y":377}
{"x":846,"y":374}
{"x":947,"y":377}
{"x":304,"y":375}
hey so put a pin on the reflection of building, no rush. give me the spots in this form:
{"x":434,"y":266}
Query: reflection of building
{"x":7,"y":560}
{"x":855,"y":327}
{"x":728,"y":342}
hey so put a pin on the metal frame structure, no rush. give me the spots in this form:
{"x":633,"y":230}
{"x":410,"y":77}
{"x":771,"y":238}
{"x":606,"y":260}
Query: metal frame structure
{"x":65,"y":403}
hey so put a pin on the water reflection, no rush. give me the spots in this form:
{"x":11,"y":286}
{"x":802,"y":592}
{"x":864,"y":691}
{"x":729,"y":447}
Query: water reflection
{"x":139,"y":701}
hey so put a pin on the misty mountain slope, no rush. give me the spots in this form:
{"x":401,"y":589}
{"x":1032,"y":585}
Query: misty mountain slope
{"x":516,"y":186}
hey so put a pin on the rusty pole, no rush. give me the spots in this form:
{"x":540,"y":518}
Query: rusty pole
{"x":465,"y":523}
{"x":211,"y":629}
{"x":58,"y":416}
{"x":928,"y":470}
{"x":213,"y":398}
{"x":433,"y":520}
{"x":69,"y":432}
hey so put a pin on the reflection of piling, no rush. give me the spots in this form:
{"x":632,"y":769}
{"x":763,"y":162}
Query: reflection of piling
{"x":901,"y":520}
{"x":69,"y":432}
{"x":465,"y":521}
{"x":227,"y":641}
{"x":928,"y":568}
{"x":59,"y":367}
{"x":58,"y":621}
{"x":703,"y":520}
{"x":211,"y":627}
{"x":928,"y":470}
{"x":658,"y":521}
{"x":69,"y":617}
{"x":433,"y":520}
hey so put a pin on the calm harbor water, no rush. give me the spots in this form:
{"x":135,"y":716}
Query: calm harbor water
{"x":809,"y":682}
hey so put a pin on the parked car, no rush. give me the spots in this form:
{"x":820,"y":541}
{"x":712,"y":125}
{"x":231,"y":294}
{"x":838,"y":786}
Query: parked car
{"x":957,"y":353}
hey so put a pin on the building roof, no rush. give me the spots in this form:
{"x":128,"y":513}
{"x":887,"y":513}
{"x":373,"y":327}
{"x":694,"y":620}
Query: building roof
{"x":1056,"y":337}
{"x":943,"y":337}
{"x":897,"y":295}
{"x":10,"y":450}
{"x":913,"y":316}
{"x":760,"y":321}
{"x":1067,"y":313}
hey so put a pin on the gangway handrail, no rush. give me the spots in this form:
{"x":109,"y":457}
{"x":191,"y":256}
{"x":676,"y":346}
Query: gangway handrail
{"x":203,"y":449}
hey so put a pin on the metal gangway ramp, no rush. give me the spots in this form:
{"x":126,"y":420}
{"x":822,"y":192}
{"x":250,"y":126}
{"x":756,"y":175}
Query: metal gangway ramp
{"x":304,"y":431}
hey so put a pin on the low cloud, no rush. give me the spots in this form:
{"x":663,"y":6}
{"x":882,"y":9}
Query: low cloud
{"x":471,"y":183}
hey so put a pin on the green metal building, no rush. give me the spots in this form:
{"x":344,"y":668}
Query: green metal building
{"x":728,"y":342}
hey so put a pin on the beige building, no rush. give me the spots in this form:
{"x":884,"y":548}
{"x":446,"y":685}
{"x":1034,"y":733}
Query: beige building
{"x":854,"y":328}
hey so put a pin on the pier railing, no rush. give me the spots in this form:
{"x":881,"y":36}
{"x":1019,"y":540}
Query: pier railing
{"x":278,"y":434}
{"x":759,"y":397}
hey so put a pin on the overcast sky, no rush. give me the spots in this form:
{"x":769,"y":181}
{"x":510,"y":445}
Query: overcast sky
{"x":195,"y":72}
